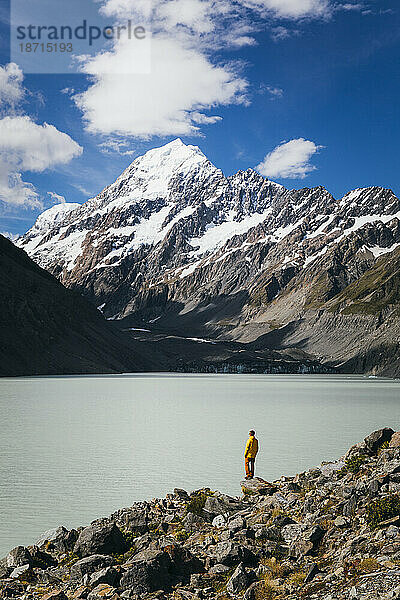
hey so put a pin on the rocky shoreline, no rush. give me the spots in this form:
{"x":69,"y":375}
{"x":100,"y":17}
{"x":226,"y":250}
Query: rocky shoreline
{"x":330,"y":533}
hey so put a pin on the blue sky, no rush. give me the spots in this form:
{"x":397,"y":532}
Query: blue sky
{"x":315,"y":83}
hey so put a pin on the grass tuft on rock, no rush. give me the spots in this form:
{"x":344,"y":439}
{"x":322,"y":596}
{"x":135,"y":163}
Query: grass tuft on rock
{"x":383,"y":509}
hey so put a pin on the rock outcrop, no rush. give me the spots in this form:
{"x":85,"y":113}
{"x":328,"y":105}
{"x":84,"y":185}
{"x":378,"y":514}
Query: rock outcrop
{"x":330,"y":533}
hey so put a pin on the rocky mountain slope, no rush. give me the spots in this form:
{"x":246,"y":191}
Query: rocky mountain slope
{"x":174,"y":245}
{"x":46,"y":329}
{"x":330,"y":533}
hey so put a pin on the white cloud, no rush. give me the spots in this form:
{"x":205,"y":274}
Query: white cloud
{"x":26,"y":146}
{"x":57,"y":199}
{"x":274,"y":92}
{"x":33,"y":147}
{"x":171,"y":100}
{"x":289,"y":160}
{"x":112,"y":145}
{"x":293,"y":9}
{"x":11,"y":88}
{"x":349,"y":7}
{"x":185,"y":82}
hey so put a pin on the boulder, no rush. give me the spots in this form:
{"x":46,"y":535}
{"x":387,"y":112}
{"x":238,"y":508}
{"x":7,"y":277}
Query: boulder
{"x":312,"y":572}
{"x":219,"y":521}
{"x":101,"y":537}
{"x":192,"y":522}
{"x":18,"y":556}
{"x":375,"y":440}
{"x":230,"y":554}
{"x":55,"y":595}
{"x":90,"y":564}
{"x":216,"y":506}
{"x":132,"y":519}
{"x":4,"y":568}
{"x":59,"y":539}
{"x":218,"y":569}
{"x":23,"y":573}
{"x":109,"y":575}
{"x":153,"y":570}
{"x":262,"y":532}
{"x":181,"y":494}
{"x":300,"y":548}
{"x":291,"y":532}
{"x":240,"y":580}
{"x":236,"y":524}
{"x":145,"y":576}
{"x":350,"y":506}
{"x":40,"y":559}
{"x":103,"y":592}
{"x":251,"y":592}
{"x":395,"y":441}
{"x":257,"y":486}
{"x":341,"y":522}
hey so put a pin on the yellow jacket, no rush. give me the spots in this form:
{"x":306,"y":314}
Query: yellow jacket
{"x":251,"y":447}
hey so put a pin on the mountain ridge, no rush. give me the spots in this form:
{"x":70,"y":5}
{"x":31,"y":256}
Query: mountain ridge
{"x":173,"y":239}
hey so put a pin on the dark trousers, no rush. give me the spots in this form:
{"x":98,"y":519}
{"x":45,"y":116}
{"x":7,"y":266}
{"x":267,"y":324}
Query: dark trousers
{"x":249,"y":466}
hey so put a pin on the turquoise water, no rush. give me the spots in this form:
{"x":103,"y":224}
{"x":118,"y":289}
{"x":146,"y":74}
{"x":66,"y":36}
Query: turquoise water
{"x":76,"y":448}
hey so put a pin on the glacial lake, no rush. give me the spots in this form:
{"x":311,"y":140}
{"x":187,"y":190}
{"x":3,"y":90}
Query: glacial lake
{"x":76,"y":448}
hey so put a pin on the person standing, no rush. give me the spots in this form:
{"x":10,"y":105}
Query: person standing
{"x":250,"y":454}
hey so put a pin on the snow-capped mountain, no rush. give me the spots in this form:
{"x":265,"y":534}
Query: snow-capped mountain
{"x":174,"y":240}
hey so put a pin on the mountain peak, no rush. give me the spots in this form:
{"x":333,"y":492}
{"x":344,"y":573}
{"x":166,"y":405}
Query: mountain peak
{"x":175,"y":149}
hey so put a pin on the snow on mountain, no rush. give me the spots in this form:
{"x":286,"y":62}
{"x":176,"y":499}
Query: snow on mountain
{"x":172,"y":226}
{"x":54,"y":215}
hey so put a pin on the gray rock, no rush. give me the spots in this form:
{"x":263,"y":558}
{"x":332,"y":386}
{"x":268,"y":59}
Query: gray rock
{"x":257,"y":486}
{"x":159,"y":570}
{"x":395,"y":441}
{"x":219,"y":521}
{"x":132,"y":519}
{"x":58,"y":539}
{"x":341,"y":522}
{"x":101,"y":537}
{"x":90,"y":564}
{"x":231,"y":554}
{"x":312,"y":572}
{"x":4,"y":569}
{"x":218,"y":569}
{"x":240,"y":580}
{"x":236,"y":524}
{"x":291,"y":532}
{"x":23,"y":572}
{"x":392,"y":531}
{"x":262,"y":532}
{"x":192,"y":522}
{"x":102,"y":591}
{"x":216,"y":506}
{"x":375,"y":440}
{"x":181,"y":494}
{"x":18,"y":556}
{"x":108,"y":575}
{"x":350,"y":506}
{"x":300,"y":548}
